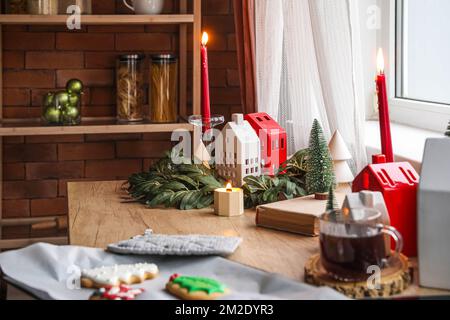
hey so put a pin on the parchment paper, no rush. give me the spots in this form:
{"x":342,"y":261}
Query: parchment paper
{"x":47,"y":270}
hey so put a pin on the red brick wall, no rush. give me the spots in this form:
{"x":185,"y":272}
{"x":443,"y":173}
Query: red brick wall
{"x":38,"y":59}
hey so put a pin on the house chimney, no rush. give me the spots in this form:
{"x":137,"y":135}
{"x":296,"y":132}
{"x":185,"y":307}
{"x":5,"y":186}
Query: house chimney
{"x":238,"y":118}
{"x":378,"y":159}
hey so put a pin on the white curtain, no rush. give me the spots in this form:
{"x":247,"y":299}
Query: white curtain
{"x":308,"y":60}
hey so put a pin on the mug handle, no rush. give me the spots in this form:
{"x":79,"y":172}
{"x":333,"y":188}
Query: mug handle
{"x":392,"y":232}
{"x":129,"y":6}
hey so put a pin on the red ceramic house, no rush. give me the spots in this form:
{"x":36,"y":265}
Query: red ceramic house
{"x":273,"y":141}
{"x":398,"y":183}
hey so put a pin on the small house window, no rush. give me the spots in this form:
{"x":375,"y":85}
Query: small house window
{"x":267,"y":118}
{"x":252,"y":171}
{"x":259,"y":119}
{"x":274,"y":144}
{"x":256,"y":169}
{"x":246,"y":171}
{"x":282,"y":143}
{"x":247,"y":162}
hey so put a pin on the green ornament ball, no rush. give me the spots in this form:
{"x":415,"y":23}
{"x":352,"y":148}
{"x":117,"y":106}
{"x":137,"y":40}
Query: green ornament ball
{"x":71,"y":114}
{"x":74,"y":99}
{"x":61,"y":98}
{"x":49,"y":99}
{"x":52,"y":115}
{"x":74,"y":86}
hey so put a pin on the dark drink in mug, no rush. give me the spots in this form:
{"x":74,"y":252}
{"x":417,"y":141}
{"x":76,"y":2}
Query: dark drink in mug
{"x":350,"y":248}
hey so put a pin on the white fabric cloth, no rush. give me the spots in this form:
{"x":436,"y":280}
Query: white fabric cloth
{"x":53,"y":272}
{"x":308,"y":60}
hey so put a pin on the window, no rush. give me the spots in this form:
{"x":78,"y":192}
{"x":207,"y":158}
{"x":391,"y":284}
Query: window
{"x":416,"y":43}
{"x":423,"y":65}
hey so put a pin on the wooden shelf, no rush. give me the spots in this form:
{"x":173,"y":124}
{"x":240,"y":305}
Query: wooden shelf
{"x":30,"y":127}
{"x":97,"y":19}
{"x":87,"y":127}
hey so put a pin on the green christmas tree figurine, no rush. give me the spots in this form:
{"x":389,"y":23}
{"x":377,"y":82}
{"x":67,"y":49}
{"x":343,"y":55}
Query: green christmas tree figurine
{"x":319,"y":176}
{"x":332,"y":202}
{"x":448,"y":130}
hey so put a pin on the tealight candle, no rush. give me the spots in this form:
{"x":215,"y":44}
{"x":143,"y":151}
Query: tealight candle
{"x":229,"y":201}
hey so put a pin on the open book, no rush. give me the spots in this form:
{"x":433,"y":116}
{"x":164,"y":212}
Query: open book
{"x":299,"y":215}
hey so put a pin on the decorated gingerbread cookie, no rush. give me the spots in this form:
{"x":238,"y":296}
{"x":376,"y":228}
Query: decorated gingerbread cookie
{"x":117,"y":275}
{"x":121,"y":292}
{"x":195,"y":288}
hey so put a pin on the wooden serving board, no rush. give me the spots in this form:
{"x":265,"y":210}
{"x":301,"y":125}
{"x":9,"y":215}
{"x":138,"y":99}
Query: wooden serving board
{"x":394,"y":280}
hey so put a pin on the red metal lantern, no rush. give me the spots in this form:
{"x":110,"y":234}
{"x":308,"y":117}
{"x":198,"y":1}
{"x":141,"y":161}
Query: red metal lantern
{"x":273,"y":141}
{"x":398,"y":183}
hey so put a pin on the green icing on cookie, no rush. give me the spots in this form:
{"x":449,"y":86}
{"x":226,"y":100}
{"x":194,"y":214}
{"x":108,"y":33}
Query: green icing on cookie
{"x":193,"y":284}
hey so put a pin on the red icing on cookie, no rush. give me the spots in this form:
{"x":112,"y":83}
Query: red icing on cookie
{"x":174,"y":276}
{"x":121,"y":292}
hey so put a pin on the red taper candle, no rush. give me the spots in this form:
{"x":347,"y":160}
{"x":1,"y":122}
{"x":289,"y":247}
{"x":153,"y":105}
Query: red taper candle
{"x":206,"y":104}
{"x":383,"y":106}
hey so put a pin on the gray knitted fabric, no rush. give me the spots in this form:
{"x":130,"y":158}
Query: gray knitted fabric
{"x":165,"y":245}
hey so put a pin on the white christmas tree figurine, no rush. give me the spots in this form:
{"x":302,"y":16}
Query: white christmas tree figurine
{"x":340,"y":155}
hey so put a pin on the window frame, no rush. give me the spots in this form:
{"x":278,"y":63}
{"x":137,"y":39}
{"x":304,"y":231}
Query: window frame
{"x":415,"y":113}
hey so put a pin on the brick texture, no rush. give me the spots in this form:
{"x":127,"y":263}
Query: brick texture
{"x":39,"y":59}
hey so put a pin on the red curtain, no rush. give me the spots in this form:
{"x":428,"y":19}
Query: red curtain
{"x":244,"y":17}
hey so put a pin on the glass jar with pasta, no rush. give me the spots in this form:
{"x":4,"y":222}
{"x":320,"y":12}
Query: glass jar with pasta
{"x":15,"y":6}
{"x":130,"y":88}
{"x":43,"y":7}
{"x":164,"y":88}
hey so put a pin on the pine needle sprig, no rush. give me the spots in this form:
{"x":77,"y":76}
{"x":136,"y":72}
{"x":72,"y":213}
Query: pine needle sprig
{"x":288,"y":183}
{"x":182,"y":186}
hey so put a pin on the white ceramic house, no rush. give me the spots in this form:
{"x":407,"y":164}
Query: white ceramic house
{"x":240,"y":153}
{"x":434,"y":215}
{"x":355,"y":202}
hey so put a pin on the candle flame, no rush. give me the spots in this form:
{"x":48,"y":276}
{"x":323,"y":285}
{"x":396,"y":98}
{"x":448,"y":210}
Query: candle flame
{"x":205,"y":38}
{"x":380,"y":61}
{"x":229,"y":186}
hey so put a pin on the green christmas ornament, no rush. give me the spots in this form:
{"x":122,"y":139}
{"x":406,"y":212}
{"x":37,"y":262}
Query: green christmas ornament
{"x":74,"y":86}
{"x":52,"y":115}
{"x":49,"y":99}
{"x":70,"y":113}
{"x":74,"y":99}
{"x":61,"y":98}
{"x":319,"y":164}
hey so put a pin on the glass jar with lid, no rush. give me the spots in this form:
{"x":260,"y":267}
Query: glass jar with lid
{"x":43,"y":7}
{"x":15,"y":6}
{"x":164,"y":88}
{"x":130,"y":88}
{"x":84,"y":5}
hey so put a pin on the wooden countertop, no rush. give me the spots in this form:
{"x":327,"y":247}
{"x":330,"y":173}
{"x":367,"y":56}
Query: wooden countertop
{"x":98,"y":216}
